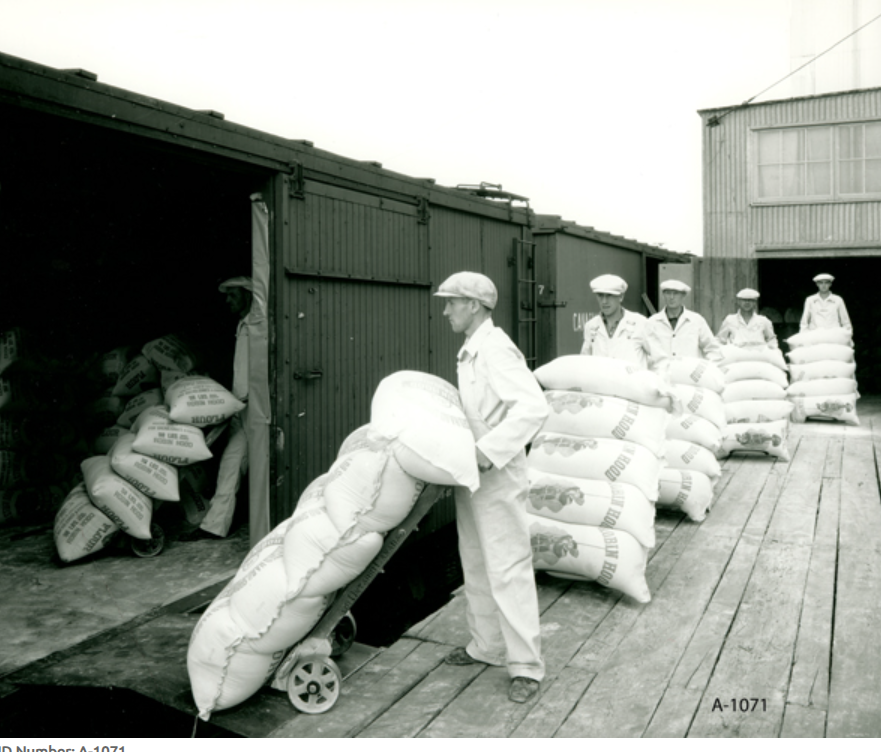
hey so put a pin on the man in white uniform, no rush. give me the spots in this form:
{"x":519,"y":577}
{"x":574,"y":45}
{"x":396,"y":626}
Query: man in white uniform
{"x":824,"y":310}
{"x":505,"y":408}
{"x":746,"y":327}
{"x":616,"y":332}
{"x":234,"y":461}
{"x":676,"y":332}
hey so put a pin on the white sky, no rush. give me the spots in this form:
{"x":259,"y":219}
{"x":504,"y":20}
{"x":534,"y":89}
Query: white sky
{"x":588,"y":107}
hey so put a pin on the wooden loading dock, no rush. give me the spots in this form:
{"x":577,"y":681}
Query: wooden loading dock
{"x":774,"y":601}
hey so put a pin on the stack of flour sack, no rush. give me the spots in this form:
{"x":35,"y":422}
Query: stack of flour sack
{"x":139,"y":461}
{"x":694,"y":438}
{"x":594,"y":470}
{"x":822,"y":370}
{"x":417,"y":434}
{"x":756,"y":403}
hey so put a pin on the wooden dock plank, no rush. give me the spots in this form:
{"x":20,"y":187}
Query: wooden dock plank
{"x":854,"y":699}
{"x":374,"y":688}
{"x":634,"y":666}
{"x":756,"y":659}
{"x":689,"y":681}
{"x":809,"y":683}
{"x":416,"y":709}
{"x":556,"y":703}
{"x":803,"y":723}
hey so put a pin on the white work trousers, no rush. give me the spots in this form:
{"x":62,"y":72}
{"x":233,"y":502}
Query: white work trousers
{"x":501,"y":600}
{"x":233,"y":465}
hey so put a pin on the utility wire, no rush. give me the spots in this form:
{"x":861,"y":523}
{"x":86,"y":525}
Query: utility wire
{"x":716,"y":119}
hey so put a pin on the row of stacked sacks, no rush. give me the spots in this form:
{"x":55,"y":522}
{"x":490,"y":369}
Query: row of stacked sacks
{"x":694,"y":438}
{"x":594,"y":471}
{"x":150,"y":455}
{"x":417,"y":434}
{"x":822,"y":370}
{"x":40,"y":446}
{"x":756,"y":403}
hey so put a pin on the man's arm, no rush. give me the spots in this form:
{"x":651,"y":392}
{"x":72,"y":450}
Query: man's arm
{"x":522,"y":407}
{"x":806,"y":316}
{"x":709,"y":345}
{"x":843,"y":317}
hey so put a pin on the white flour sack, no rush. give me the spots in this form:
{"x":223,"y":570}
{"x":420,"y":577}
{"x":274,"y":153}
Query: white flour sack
{"x":755,"y":369}
{"x":823,"y":369}
{"x":841,"y":407}
{"x":423,"y":413}
{"x":117,"y":498}
{"x":198,"y":400}
{"x":762,"y":353}
{"x":136,"y":405}
{"x":757,"y":411}
{"x":813,"y":353}
{"x":682,"y":455}
{"x":690,"y":491}
{"x":81,"y":528}
{"x":224,"y":668}
{"x":616,"y":506}
{"x":149,"y":475}
{"x":175,"y":443}
{"x":832,"y":336}
{"x":702,"y":402}
{"x":582,"y":552}
{"x":593,"y":415}
{"x":820,"y":387}
{"x":696,"y":430}
{"x":753,"y":389}
{"x":696,"y":372}
{"x":596,"y":459}
{"x":367,"y":489}
{"x":170,"y":353}
{"x":769,"y":438}
{"x":608,"y":376}
{"x":139,"y":374}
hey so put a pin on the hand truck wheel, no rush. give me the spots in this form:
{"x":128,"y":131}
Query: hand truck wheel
{"x":148,"y":548}
{"x":343,"y":635}
{"x":314,"y":684}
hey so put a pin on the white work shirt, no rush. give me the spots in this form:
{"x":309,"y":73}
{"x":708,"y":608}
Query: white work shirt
{"x":692,"y":337}
{"x":240,"y":361}
{"x":627,"y":343}
{"x":757,"y":331}
{"x":502,"y":399}
{"x":825,"y":313}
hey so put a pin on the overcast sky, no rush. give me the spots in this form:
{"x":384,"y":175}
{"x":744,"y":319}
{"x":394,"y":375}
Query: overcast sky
{"x":587,"y":107}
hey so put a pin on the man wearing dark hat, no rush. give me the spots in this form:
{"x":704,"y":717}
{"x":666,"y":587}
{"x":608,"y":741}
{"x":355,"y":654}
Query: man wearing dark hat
{"x":505,"y":408}
{"x":746,"y":328}
{"x":823,"y":310}
{"x":616,"y":332}
{"x":234,"y":461}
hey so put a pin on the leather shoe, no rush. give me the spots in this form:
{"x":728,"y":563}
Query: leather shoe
{"x":460,"y":657}
{"x":522,"y":689}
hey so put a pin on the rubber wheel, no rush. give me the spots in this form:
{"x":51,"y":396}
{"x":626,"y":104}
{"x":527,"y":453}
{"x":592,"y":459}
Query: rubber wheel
{"x":343,"y":635}
{"x":314,"y":685}
{"x":149,"y":548}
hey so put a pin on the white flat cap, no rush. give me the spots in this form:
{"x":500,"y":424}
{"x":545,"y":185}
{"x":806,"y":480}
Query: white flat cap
{"x":236,"y":282}
{"x":470,"y":285}
{"x":748,"y":293}
{"x":610,"y":284}
{"x":824,"y":277}
{"x":675,"y":285}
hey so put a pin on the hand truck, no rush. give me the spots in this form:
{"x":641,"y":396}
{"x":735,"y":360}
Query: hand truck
{"x":308,"y":673}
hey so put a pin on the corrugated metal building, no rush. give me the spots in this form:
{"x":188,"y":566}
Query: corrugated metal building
{"x":792,"y":188}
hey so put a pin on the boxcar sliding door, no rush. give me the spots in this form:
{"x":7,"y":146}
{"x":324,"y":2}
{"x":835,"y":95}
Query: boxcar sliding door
{"x":352,"y":280}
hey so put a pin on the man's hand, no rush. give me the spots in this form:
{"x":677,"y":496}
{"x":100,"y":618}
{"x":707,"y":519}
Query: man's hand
{"x":484,"y":463}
